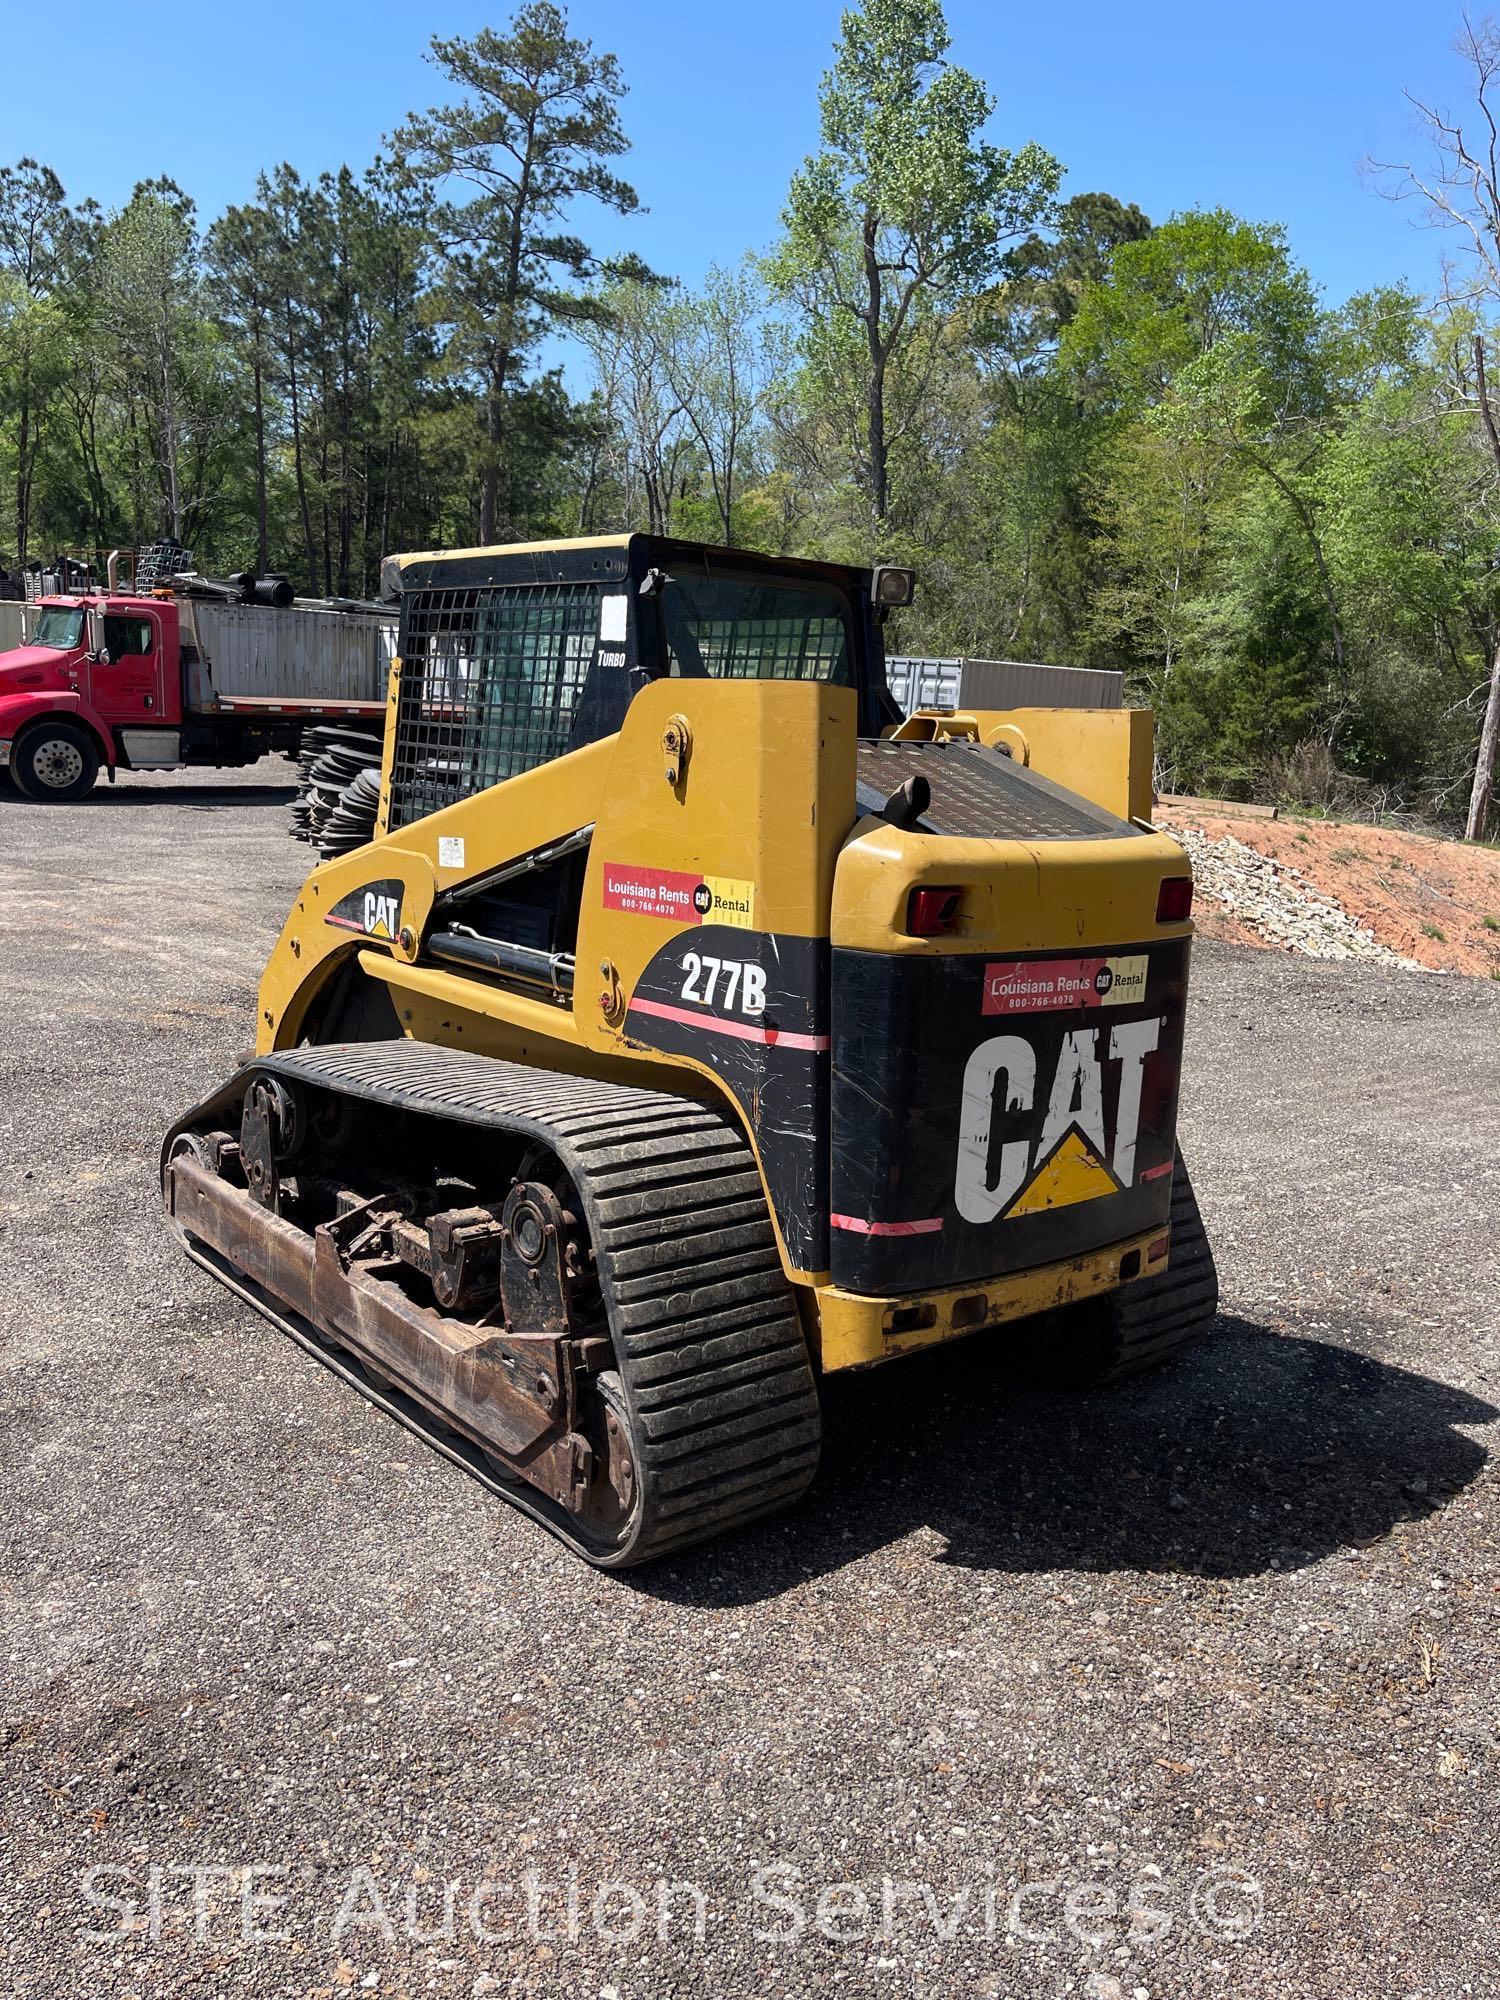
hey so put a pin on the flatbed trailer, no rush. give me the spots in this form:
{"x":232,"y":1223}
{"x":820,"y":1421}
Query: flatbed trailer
{"x":154,"y":681}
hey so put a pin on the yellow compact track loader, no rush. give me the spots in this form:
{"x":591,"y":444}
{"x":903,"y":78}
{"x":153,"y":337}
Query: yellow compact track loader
{"x":694,"y":1027}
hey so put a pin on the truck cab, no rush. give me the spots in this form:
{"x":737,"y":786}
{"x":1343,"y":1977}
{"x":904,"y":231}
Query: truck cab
{"x":98,"y":685}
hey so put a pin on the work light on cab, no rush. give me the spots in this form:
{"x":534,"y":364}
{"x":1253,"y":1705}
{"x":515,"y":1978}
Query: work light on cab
{"x":891,"y":587}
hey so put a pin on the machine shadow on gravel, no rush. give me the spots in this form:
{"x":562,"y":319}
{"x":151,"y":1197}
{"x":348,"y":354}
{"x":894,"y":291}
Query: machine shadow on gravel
{"x":1259,"y":1450}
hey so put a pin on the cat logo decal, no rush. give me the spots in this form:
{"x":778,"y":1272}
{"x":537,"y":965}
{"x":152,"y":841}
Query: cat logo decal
{"x":373,"y":911}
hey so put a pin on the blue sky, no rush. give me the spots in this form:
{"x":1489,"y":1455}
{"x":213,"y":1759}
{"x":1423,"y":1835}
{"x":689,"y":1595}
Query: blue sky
{"x":1265,"y":108}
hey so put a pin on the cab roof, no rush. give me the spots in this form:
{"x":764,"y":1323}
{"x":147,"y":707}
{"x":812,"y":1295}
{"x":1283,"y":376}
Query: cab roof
{"x":675,"y":545}
{"x":516,"y":548}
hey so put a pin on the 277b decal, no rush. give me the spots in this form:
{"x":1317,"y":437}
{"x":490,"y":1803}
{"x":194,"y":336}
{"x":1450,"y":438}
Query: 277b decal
{"x":724,"y":981}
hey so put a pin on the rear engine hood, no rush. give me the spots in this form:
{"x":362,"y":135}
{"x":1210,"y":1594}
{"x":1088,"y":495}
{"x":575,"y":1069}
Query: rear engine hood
{"x":1003,"y":1095}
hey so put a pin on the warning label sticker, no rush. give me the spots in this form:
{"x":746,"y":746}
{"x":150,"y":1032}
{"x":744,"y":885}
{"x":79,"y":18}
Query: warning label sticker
{"x":684,"y":898}
{"x":1043,"y":985}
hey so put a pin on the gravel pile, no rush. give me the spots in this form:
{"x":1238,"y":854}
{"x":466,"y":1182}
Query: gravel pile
{"x":1279,"y":902}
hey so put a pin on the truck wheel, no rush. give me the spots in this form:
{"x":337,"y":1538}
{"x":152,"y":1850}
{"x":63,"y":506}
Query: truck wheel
{"x":55,"y":763}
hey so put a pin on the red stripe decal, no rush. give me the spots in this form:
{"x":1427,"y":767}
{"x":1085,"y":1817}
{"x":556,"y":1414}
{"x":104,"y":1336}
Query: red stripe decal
{"x":1155,"y":1173}
{"x":857,"y":1226}
{"x":741,"y":1031}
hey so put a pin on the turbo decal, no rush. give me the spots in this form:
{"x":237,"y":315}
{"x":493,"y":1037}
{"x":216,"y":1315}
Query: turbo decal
{"x":373,"y":911}
{"x":1037,"y":985}
{"x":682,"y":897}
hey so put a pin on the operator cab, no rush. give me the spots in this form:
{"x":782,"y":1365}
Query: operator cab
{"x":512,"y":657}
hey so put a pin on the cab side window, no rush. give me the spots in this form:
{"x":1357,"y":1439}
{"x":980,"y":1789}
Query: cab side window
{"x":127,"y":638}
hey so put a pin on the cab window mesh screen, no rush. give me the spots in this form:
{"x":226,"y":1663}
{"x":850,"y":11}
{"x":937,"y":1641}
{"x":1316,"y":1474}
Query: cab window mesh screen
{"x":741,"y":629}
{"x":491,"y":684}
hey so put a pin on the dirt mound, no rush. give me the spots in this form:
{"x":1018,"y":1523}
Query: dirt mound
{"x":1338,"y":889}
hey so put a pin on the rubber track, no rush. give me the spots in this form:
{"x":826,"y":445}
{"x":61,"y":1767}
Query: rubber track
{"x":708,"y":1344}
{"x":1156,"y":1317}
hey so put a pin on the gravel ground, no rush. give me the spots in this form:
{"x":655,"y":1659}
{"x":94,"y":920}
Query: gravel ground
{"x":1185,"y":1689}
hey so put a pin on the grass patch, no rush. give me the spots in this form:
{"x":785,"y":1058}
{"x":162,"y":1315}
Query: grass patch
{"x":1347,"y":854}
{"x":1432,"y":931}
{"x":1491,"y":923}
{"x":1305,"y":838}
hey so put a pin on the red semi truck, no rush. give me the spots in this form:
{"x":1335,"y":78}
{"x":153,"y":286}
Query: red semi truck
{"x":186,"y":675}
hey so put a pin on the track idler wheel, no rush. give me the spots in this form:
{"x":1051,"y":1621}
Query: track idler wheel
{"x":533,"y":1285}
{"x":273,"y":1126}
{"x":619,"y":1468}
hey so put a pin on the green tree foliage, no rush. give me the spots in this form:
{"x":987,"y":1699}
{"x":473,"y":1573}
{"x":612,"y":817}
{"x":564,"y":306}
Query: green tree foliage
{"x":534,"y":131}
{"x":38,"y":237}
{"x":1046,"y":277}
{"x":682,"y":382}
{"x":239,"y":256}
{"x":1101,"y":442}
{"x":164,"y":352}
{"x":894,"y":224}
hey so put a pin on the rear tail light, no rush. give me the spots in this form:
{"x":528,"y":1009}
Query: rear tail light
{"x":1174,"y":900}
{"x":932,"y":912}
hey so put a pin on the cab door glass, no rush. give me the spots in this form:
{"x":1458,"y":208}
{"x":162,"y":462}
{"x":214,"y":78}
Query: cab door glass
{"x":128,"y":638}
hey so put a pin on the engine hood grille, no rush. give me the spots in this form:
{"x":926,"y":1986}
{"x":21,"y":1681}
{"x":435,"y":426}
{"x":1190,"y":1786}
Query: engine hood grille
{"x":981,"y":794}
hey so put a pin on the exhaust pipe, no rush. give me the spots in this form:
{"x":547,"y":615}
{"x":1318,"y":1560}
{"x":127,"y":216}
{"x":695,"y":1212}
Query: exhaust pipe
{"x":112,"y":570}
